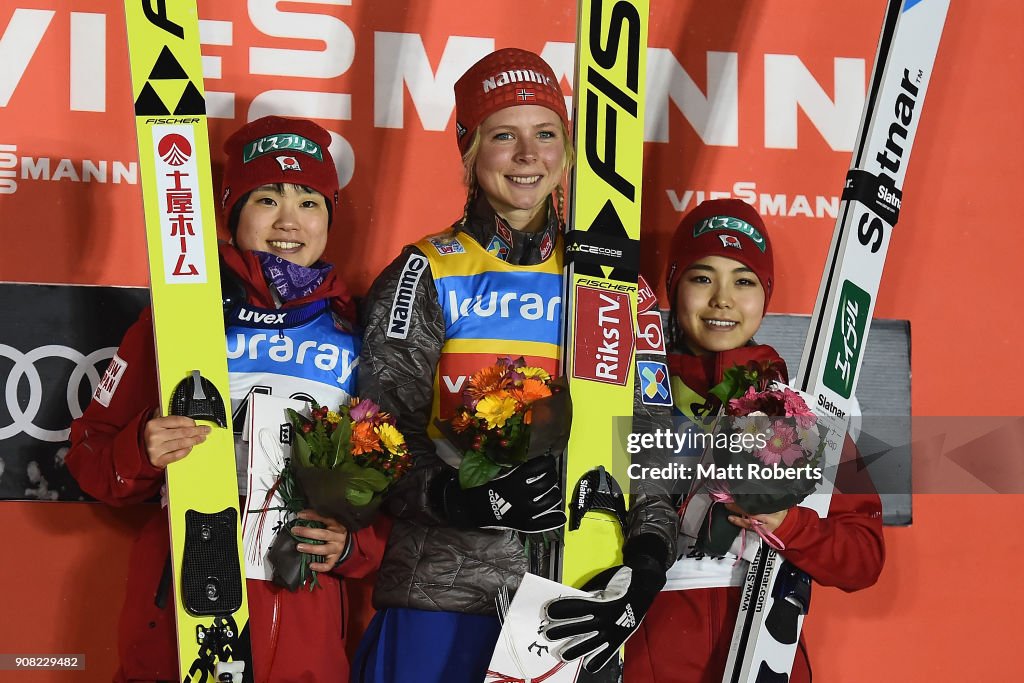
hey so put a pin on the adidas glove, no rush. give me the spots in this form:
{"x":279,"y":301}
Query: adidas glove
{"x":596,"y":627}
{"x":526,"y":498}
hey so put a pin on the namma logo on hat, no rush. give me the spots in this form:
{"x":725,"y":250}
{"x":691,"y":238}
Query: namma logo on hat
{"x":515,"y":76}
{"x":730,"y":223}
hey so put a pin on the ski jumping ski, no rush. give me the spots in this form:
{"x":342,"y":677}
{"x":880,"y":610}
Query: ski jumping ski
{"x":211,"y":610}
{"x":767,"y":629}
{"x":602,"y":263}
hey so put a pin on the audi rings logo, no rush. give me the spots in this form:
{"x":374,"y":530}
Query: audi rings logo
{"x":25,"y":371}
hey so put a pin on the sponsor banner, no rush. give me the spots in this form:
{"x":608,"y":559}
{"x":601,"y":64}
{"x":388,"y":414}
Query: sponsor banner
{"x":181,"y":220}
{"x":646,"y":299}
{"x":650,"y":336}
{"x":381,"y":83}
{"x":654,"y":383}
{"x":295,"y":352}
{"x":52,"y":362}
{"x":514,"y":306}
{"x":604,"y":357}
{"x":447,"y":246}
{"x":844,"y":350}
{"x":401,"y":306}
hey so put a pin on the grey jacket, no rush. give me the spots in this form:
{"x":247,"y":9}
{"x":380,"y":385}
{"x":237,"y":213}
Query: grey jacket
{"x":429,"y":564}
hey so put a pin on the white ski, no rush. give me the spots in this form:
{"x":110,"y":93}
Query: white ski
{"x":776,"y":595}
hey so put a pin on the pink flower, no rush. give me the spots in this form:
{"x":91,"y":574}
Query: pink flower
{"x":745,"y":404}
{"x":796,"y":407}
{"x":365,"y":408}
{"x":781,"y":447}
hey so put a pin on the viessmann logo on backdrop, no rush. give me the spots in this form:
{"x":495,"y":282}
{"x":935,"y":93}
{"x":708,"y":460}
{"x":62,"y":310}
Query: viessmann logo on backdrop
{"x":14,"y":167}
{"x":402,"y":72}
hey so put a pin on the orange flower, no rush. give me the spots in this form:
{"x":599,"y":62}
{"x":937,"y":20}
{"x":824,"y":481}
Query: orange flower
{"x":486,"y":381}
{"x":364,"y":439}
{"x":529,"y":391}
{"x":461,"y":421}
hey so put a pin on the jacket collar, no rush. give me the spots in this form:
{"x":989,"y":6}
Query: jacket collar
{"x":701,"y":373}
{"x":495,"y":235}
{"x":245,"y":266}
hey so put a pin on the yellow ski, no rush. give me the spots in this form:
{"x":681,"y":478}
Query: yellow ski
{"x":212,"y":612}
{"x":602,"y":266}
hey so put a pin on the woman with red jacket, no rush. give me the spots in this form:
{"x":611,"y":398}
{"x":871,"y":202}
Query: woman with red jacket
{"x":280,"y":193}
{"x":720,"y":278}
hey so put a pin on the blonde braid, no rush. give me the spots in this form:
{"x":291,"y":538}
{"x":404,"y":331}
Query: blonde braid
{"x":470,"y":200}
{"x":469,"y":175}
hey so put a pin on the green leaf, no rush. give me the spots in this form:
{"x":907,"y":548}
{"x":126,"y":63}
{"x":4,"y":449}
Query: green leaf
{"x":733,"y":385}
{"x":476,"y":470}
{"x":295,"y":418}
{"x":300,"y":449}
{"x":359,"y":497}
{"x":364,"y":477}
{"x":342,"y":440}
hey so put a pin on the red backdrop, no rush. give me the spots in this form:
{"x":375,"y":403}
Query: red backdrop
{"x":756,"y":99}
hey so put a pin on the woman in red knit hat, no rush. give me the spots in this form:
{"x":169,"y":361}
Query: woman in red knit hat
{"x":280,"y":193}
{"x":488,"y":286}
{"x":720,"y":278}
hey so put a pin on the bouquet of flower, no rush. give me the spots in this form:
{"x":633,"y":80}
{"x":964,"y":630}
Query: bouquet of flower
{"x":510,"y":412}
{"x":765,"y":454}
{"x":341,"y":464}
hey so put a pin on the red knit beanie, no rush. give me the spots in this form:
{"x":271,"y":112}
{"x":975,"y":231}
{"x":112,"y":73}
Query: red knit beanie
{"x":722,"y":227}
{"x":274,"y":150}
{"x":502,"y":79}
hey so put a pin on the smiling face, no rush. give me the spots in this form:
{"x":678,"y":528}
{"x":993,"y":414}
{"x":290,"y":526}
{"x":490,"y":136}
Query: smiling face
{"x":287,"y":221}
{"x":719,"y":305}
{"x":520,"y":161}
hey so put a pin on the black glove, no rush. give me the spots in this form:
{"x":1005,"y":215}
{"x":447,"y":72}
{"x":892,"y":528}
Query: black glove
{"x":597,"y":626}
{"x":526,"y":498}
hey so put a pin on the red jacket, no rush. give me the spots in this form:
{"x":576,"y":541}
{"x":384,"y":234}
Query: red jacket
{"x":295,"y":636}
{"x":685,"y":636}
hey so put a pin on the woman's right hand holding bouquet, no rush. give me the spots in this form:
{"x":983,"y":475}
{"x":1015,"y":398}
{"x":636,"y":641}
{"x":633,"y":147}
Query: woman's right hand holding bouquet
{"x":511,"y":423}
